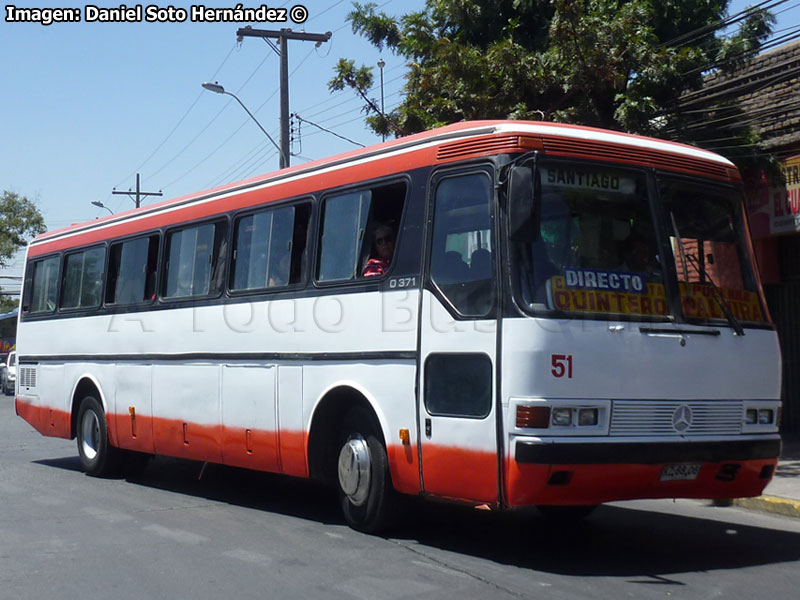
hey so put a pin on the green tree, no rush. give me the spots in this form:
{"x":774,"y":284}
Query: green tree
{"x":618,"y":64}
{"x":20,"y":220}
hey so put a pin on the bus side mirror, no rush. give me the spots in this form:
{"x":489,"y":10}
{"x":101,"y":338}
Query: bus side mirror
{"x":523,"y":207}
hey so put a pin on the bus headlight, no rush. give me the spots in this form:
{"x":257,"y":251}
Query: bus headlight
{"x":562,"y":417}
{"x":761,"y":417}
{"x":587,"y":417}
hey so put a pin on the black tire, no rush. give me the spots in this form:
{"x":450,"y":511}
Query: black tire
{"x":366,"y":495}
{"x":98,"y":457}
{"x":567,"y":512}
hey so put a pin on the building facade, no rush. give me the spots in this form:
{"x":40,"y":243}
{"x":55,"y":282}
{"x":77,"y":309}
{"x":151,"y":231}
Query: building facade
{"x":768,"y":92}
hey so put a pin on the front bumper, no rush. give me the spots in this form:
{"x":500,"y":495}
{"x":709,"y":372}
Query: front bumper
{"x":568,"y":472}
{"x":536,"y":452}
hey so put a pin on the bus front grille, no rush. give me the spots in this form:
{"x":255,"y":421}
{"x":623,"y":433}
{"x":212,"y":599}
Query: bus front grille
{"x":676,"y":418}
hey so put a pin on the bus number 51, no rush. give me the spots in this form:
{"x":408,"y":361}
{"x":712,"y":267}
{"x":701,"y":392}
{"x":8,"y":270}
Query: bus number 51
{"x":562,"y":365}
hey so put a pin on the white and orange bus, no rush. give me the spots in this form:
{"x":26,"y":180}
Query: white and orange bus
{"x":499,"y":313}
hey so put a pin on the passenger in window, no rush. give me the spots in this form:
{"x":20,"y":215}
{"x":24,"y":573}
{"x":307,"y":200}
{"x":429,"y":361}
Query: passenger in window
{"x":382,"y":252}
{"x":480,"y":266}
{"x":452,"y":269}
{"x":280,"y":276}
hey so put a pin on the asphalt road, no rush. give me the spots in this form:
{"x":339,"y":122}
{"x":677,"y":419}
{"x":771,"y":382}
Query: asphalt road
{"x":236,"y":534}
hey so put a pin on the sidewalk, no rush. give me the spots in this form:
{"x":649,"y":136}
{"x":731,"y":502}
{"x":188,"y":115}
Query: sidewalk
{"x":782,"y":495}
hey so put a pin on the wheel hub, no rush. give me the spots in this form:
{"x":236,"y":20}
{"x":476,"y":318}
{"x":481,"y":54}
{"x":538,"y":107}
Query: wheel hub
{"x":354,"y":470}
{"x":90,"y":434}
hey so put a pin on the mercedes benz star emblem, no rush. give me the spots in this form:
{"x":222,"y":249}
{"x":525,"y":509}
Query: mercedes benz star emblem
{"x":682,"y":418}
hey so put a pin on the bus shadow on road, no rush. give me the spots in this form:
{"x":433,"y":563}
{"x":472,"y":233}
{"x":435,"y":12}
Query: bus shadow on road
{"x":269,"y":492}
{"x":67,"y":463}
{"x":626,"y":540}
{"x":616,"y":541}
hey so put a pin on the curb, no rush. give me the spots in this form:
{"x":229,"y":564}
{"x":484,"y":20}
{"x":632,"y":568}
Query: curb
{"x":787,"y":507}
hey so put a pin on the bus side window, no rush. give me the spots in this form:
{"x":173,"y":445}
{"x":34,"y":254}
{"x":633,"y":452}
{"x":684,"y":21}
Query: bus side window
{"x":132,"y":270}
{"x":462,"y":260}
{"x":195,"y":259}
{"x":83,"y":278}
{"x":41,"y":286}
{"x":343,"y":228}
{"x":350,"y":223}
{"x":269,"y":248}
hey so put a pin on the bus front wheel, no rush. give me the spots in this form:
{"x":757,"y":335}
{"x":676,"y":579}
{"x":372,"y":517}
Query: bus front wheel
{"x":98,"y":457}
{"x":364,"y":483}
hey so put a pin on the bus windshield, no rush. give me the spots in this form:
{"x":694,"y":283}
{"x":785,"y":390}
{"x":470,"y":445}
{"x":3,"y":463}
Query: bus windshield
{"x":598,"y":253}
{"x":705,"y":228}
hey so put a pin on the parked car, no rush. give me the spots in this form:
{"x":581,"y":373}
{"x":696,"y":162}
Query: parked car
{"x":8,"y":374}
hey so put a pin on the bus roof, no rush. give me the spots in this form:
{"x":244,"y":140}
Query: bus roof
{"x":437,"y":146}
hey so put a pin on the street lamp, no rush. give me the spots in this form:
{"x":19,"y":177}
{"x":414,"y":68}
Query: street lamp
{"x":218,"y":89}
{"x":381,"y":64}
{"x":101,"y":205}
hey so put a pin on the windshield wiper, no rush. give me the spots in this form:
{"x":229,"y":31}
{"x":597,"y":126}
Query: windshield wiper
{"x":680,"y":245}
{"x":723,"y":304}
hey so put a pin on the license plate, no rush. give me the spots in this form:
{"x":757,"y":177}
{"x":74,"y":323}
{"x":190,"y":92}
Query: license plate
{"x":680,"y":472}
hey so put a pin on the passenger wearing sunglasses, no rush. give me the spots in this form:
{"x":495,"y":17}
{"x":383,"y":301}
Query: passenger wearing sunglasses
{"x":382,"y":252}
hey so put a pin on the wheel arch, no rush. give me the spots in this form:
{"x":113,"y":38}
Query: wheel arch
{"x":85,"y":385}
{"x":326,"y":423}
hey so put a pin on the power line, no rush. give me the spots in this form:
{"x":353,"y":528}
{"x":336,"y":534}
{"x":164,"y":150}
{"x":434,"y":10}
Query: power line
{"x":347,"y":139}
{"x":700,"y":32}
{"x":283,"y":36}
{"x":728,"y":87}
{"x":214,"y":118}
{"x":185,"y":114}
{"x":244,"y":122}
{"x":258,"y":150}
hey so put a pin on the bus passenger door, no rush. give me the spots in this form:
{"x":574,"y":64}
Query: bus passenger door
{"x":457,"y":428}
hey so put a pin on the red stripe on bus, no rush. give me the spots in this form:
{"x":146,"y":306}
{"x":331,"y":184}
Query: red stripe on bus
{"x":596,"y":484}
{"x":239,"y":200}
{"x":281,"y":451}
{"x":46,"y":420}
{"x":404,"y":467}
{"x":456,"y":473}
{"x":460,"y":473}
{"x":263,"y":450}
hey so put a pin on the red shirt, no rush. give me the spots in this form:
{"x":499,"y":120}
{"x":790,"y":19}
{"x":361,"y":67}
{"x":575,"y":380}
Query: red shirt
{"x":375,"y":267}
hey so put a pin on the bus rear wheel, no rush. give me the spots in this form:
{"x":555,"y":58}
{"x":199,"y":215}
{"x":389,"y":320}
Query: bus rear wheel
{"x":364,"y":484}
{"x":98,"y":457}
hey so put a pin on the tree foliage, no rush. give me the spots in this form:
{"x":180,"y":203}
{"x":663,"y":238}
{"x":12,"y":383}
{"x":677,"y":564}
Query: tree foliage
{"x":617,"y":64}
{"x":20,"y":220}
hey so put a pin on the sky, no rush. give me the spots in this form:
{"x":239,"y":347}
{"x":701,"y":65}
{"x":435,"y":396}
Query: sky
{"x":85,"y":106}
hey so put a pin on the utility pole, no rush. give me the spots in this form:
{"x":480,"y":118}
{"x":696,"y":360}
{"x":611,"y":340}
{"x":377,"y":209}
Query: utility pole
{"x":283,"y":36}
{"x":139,"y":193}
{"x":381,"y":64}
